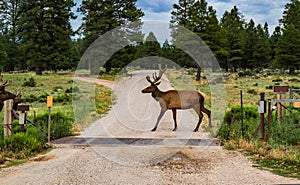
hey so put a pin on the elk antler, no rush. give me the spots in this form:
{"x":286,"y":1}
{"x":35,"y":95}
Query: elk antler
{"x":155,"y":77}
{"x":2,"y":85}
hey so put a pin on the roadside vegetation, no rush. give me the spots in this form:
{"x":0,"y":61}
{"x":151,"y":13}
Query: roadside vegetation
{"x":35,"y":89}
{"x":280,"y":151}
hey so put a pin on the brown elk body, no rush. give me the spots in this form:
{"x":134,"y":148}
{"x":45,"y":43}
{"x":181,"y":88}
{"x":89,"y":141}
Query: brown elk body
{"x":176,"y":99}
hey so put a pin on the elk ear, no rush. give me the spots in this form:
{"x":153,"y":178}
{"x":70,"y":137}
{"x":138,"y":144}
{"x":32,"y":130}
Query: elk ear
{"x":157,"y":83}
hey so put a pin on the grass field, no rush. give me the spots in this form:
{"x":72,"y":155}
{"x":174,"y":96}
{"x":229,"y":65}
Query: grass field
{"x":60,"y":87}
{"x":280,"y":157}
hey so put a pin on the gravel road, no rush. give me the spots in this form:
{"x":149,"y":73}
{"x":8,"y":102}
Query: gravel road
{"x":169,"y":162}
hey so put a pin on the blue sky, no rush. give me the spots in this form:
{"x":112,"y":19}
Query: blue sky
{"x":260,"y":11}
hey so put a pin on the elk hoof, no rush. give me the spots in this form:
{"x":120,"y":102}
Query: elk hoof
{"x":153,"y":129}
{"x":195,"y":130}
{"x":174,"y":129}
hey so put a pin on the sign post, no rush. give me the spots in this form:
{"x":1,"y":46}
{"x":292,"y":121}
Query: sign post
{"x":49,"y":105}
{"x":281,"y":91}
{"x":22,"y":117}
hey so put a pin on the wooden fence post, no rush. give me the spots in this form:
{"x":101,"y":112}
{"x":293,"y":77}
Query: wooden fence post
{"x":8,"y":118}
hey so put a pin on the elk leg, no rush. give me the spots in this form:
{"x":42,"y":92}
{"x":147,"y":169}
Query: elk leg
{"x":197,"y":109}
{"x":174,"y":118}
{"x":206,"y":111}
{"x":162,"y":112}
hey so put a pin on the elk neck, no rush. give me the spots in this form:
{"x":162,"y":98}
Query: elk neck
{"x":157,"y":93}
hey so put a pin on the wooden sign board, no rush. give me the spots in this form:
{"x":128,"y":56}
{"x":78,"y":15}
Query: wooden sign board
{"x":23,"y":108}
{"x":281,"y":89}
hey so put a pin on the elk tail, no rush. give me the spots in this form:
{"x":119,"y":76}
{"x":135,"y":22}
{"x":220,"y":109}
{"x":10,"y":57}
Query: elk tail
{"x":200,"y":92}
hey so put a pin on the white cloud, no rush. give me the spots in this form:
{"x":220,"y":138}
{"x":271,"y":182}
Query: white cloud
{"x":260,"y":11}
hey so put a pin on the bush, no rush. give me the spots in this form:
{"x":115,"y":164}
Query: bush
{"x":234,"y":114}
{"x":72,"y":89}
{"x":43,"y":97}
{"x":30,"y":98}
{"x":62,"y":98}
{"x":252,"y":91}
{"x":277,"y":80}
{"x":244,"y":73}
{"x":23,"y":145}
{"x":29,"y":83}
{"x":61,"y":124}
{"x":231,"y":127}
{"x":286,"y":133}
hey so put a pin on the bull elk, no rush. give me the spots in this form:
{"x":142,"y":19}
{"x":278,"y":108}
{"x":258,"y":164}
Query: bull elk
{"x":176,"y":99}
{"x":5,"y":95}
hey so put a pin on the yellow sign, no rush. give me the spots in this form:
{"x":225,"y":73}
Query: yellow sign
{"x":49,"y":101}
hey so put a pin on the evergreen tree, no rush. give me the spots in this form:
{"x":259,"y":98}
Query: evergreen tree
{"x":101,"y":16}
{"x":262,"y":51}
{"x":150,"y":47}
{"x":8,"y":17}
{"x":291,"y":14}
{"x":250,"y":45}
{"x":201,"y":19}
{"x":232,"y":24}
{"x":274,"y":41}
{"x":3,"y":54}
{"x":45,"y":31}
{"x":180,"y":16}
{"x":288,"y":49}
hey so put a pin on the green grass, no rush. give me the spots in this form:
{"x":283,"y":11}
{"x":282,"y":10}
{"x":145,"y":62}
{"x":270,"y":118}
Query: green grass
{"x":14,"y":163}
{"x":282,"y":160}
{"x":57,"y":85}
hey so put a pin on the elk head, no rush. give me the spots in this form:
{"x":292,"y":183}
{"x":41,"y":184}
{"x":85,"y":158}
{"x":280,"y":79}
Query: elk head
{"x":153,"y":84}
{"x":5,"y":95}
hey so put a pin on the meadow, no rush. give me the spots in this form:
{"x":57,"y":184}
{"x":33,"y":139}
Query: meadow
{"x":280,"y":151}
{"x":279,"y":154}
{"x":34,"y":90}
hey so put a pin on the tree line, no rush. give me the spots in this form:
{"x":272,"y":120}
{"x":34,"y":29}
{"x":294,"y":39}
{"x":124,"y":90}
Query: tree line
{"x":37,"y":35}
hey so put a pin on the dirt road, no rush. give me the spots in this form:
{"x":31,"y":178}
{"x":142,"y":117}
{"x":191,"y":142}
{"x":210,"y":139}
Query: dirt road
{"x":166,"y":162}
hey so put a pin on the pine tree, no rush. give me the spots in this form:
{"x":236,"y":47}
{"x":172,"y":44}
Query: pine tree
{"x":274,"y":41}
{"x":250,"y":45}
{"x":291,"y":14}
{"x":8,"y":26}
{"x":288,"y":49}
{"x":45,"y":32}
{"x":262,"y":51}
{"x":101,"y":16}
{"x":201,"y":19}
{"x":232,"y":24}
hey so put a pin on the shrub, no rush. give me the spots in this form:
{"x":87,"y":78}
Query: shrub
{"x":29,"y":83}
{"x":252,"y":91}
{"x":24,"y":144}
{"x":231,"y":128}
{"x":269,"y":87}
{"x":30,"y":98}
{"x":277,"y":80}
{"x":72,"y":89}
{"x":285,"y":133}
{"x":43,"y":97}
{"x":61,"y":124}
{"x":234,"y":114}
{"x":244,"y":73}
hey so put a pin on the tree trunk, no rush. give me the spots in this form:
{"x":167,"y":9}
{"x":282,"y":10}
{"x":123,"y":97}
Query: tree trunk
{"x":198,"y":76}
{"x":108,"y":66}
{"x":38,"y":70}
